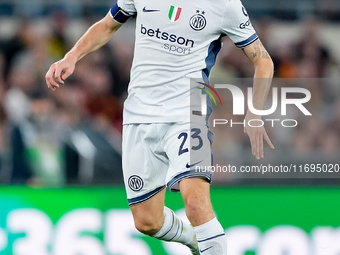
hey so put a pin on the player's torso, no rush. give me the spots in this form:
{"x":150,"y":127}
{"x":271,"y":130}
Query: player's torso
{"x":173,"y":40}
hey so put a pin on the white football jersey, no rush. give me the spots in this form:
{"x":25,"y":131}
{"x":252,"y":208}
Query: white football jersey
{"x":175,"y":41}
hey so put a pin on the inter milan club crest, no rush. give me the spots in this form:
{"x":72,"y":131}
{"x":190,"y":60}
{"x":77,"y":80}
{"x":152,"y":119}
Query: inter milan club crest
{"x":174,"y":13}
{"x":135,"y":183}
{"x":198,"y":21}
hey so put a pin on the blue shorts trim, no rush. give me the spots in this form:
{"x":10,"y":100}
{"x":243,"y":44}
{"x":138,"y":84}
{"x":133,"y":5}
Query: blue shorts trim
{"x":145,"y":197}
{"x":189,"y":174}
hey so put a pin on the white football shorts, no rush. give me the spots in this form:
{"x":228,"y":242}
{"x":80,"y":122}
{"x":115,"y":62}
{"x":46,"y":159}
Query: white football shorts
{"x":157,"y":155}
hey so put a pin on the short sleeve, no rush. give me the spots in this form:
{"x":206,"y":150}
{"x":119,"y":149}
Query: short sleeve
{"x":237,"y":25}
{"x":123,"y":10}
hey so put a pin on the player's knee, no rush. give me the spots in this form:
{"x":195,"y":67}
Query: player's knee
{"x":148,"y":226}
{"x":197,"y":208}
{"x":193,"y":206}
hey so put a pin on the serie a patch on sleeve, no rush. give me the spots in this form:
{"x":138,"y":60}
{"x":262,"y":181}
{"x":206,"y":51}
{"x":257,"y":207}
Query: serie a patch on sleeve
{"x":118,"y":14}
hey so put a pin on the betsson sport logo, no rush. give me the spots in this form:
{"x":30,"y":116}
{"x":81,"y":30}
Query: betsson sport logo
{"x":239,"y":101}
{"x":177,"y":44}
{"x":182,"y":45}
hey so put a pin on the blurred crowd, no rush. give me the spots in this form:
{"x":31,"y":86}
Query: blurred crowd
{"x":73,"y":135}
{"x":304,"y":62}
{"x":283,"y":10}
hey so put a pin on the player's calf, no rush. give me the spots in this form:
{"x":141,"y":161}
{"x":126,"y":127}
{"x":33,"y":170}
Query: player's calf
{"x":174,"y":230}
{"x":164,"y":226}
{"x":209,"y":232}
{"x":196,"y":197}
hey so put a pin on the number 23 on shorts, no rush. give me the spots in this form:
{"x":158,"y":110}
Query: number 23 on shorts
{"x":195,"y":134}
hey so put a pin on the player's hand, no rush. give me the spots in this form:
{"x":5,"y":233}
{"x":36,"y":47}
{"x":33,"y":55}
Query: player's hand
{"x":59,"y":72}
{"x":256,"y":135}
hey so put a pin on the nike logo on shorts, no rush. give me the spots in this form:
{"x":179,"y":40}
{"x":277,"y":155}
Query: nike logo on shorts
{"x":189,"y":166}
{"x":205,"y":249}
{"x":145,"y":10}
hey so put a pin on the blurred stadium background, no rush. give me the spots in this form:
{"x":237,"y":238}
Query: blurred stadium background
{"x":60,"y":153}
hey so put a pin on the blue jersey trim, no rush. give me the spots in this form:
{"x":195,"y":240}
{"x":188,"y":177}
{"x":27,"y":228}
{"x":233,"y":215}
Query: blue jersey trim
{"x":211,"y":135}
{"x":119,"y":15}
{"x":145,"y":197}
{"x":247,"y":42}
{"x":210,"y":61}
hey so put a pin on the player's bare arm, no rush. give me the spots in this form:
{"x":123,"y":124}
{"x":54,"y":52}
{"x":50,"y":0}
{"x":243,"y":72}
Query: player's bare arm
{"x":95,"y":37}
{"x":264,"y":69}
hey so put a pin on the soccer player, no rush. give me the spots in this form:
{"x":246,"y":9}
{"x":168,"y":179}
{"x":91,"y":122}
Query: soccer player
{"x":163,"y":143}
